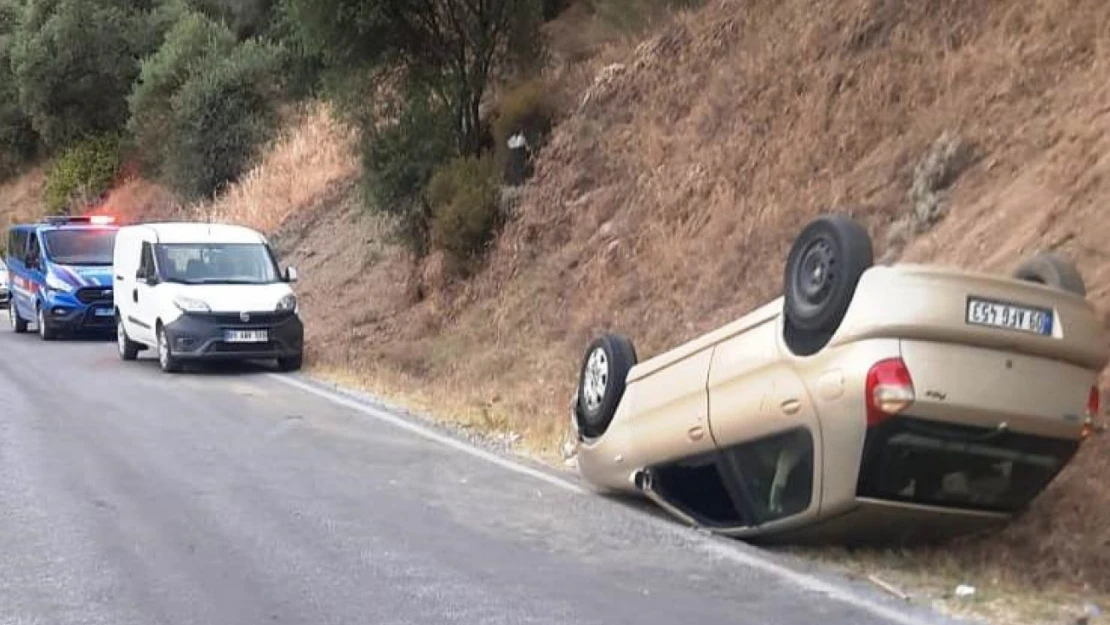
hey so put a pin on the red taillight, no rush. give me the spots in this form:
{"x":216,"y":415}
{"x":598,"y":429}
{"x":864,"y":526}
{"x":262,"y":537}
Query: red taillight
{"x":1094,"y":402}
{"x":889,"y":390}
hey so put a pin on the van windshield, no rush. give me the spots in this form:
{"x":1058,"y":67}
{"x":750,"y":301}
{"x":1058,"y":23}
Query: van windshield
{"x":80,"y":247}
{"x":216,"y":263}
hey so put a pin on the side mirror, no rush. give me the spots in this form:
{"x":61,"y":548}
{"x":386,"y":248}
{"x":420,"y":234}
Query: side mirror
{"x":290,"y":274}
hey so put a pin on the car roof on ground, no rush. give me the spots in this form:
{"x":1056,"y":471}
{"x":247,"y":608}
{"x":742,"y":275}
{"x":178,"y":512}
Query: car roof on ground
{"x":201,"y":232}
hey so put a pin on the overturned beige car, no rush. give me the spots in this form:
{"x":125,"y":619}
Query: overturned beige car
{"x":887,"y":403}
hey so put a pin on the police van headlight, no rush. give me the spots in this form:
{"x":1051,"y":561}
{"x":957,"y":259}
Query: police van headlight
{"x":287,"y":303}
{"x":190,"y":305}
{"x":54,"y":283}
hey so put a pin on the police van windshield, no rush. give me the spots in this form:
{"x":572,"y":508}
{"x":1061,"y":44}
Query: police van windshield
{"x":80,"y":247}
{"x":220,"y":263}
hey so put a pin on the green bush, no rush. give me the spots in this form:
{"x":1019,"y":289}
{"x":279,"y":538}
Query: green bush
{"x":18,"y":141}
{"x":82,"y":173}
{"x":528,"y":108}
{"x":220,"y":116}
{"x":74,"y":62}
{"x":192,"y":45}
{"x":399,"y":159}
{"x":464,"y":198}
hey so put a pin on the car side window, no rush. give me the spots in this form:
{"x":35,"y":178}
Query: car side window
{"x":146,"y":262}
{"x":32,"y":254}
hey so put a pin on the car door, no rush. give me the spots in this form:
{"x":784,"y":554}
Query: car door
{"x":34,"y":276}
{"x":17,"y":251}
{"x":765,"y":426}
{"x":144,"y":303}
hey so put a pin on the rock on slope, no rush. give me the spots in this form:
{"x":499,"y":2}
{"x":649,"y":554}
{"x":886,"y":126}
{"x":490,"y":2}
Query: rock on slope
{"x":666,"y":200}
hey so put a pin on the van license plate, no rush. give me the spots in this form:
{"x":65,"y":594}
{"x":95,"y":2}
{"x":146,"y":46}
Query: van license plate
{"x":246,"y":336}
{"x":996,"y":314}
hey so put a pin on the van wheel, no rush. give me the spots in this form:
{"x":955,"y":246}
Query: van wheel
{"x":601,"y":382}
{"x":166,"y":360}
{"x":46,"y":333}
{"x":822,"y":270}
{"x":19,"y":324}
{"x":128,"y":349}
{"x":1052,"y":270}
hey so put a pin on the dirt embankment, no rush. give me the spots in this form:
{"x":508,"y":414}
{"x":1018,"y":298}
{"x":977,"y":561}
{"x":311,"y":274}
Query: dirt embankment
{"x":960,"y":133}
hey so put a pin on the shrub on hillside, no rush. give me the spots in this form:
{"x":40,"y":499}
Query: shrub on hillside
{"x":464,"y":197}
{"x":400,"y":158}
{"x":74,"y":62}
{"x":82,"y":173}
{"x":18,"y":142}
{"x":190,"y":46}
{"x":221,"y":115}
{"x":525,"y":108}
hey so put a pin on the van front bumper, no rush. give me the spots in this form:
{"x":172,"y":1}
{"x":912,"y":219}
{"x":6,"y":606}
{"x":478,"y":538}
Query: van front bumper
{"x":67,"y":314}
{"x":205,"y":336}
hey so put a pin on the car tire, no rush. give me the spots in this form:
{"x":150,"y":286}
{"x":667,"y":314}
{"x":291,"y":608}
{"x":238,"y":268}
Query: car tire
{"x":1052,"y":270}
{"x":292,"y":363}
{"x":46,"y":333}
{"x":19,"y":324}
{"x":823,"y":268}
{"x":128,"y":349}
{"x":166,"y":360}
{"x":601,"y":382}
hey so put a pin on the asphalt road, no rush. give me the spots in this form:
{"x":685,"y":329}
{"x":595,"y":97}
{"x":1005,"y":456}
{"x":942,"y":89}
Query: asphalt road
{"x":239,"y":497}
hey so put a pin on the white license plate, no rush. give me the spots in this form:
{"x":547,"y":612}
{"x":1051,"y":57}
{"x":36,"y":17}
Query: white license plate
{"x":996,"y":314}
{"x":103,"y":312}
{"x":246,"y":336}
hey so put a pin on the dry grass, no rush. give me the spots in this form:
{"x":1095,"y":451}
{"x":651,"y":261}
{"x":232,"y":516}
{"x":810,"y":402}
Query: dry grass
{"x":314,"y":154}
{"x":21,"y":198}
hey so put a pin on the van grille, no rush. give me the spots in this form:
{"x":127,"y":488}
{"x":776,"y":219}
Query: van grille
{"x":94,"y":294}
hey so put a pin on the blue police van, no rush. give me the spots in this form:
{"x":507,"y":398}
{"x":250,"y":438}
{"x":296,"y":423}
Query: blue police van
{"x":60,"y":275}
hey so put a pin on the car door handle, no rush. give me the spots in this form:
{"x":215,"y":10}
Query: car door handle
{"x":135,"y":295}
{"x":119,"y":277}
{"x":791,"y":406}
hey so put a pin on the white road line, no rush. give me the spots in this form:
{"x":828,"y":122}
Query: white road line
{"x":709,"y":545}
{"x":429,"y":433}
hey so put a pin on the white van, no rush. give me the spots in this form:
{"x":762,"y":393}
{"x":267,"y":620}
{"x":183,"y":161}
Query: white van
{"x":199,"y":291}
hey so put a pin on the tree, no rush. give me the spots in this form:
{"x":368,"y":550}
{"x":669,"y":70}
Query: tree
{"x":219,"y":117}
{"x":452,"y":47}
{"x":18,"y":141}
{"x":192,"y":45}
{"x":74,"y":61}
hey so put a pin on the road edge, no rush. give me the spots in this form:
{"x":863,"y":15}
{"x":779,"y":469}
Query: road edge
{"x":843,"y":589}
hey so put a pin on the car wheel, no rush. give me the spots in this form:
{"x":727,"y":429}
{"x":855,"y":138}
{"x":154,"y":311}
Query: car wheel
{"x":46,"y":333}
{"x":601,"y":382}
{"x":822,"y":271}
{"x":292,"y":363}
{"x":1054,"y":271}
{"x":19,"y":324}
{"x":128,"y":349}
{"x":166,"y":360}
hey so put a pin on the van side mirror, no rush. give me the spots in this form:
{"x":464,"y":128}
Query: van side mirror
{"x":290,"y":274}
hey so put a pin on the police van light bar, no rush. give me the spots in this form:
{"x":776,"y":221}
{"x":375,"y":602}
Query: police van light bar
{"x":96,"y":220}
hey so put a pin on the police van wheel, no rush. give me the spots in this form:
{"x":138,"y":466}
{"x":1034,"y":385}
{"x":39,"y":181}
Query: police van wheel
{"x":46,"y":333}
{"x":19,"y":324}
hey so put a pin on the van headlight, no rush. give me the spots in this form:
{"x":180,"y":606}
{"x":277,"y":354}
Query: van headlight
{"x":287,"y":303}
{"x":190,"y":305}
{"x":54,"y":283}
